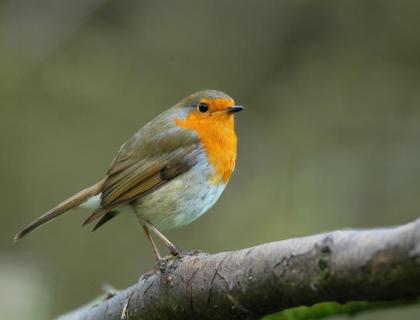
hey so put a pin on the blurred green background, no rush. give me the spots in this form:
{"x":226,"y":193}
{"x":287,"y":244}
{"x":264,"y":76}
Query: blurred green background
{"x":330,"y":137}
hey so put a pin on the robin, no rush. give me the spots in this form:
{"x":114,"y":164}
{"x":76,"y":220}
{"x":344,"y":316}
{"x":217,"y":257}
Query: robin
{"x":169,"y":173}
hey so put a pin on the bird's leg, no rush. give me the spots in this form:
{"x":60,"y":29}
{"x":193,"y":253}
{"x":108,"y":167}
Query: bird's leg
{"x":160,"y":263}
{"x":149,"y":237}
{"x":169,"y":244}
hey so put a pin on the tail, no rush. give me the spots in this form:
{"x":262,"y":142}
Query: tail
{"x":66,"y":205}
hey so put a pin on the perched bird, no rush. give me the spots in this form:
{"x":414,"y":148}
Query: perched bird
{"x":169,"y":173}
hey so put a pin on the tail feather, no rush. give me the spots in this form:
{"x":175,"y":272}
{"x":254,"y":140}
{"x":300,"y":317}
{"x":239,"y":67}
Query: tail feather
{"x":66,"y":205}
{"x":108,"y":216}
{"x":97,"y":214}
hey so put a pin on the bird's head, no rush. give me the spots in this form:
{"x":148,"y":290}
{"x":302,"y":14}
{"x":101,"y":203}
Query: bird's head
{"x":210,"y":115}
{"x":209,"y":106}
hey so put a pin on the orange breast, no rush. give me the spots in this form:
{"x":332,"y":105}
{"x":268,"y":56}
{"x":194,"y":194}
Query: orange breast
{"x":217,"y":134}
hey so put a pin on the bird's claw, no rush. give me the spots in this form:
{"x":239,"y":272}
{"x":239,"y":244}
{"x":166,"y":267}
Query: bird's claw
{"x":179,"y":253}
{"x":161,"y":265}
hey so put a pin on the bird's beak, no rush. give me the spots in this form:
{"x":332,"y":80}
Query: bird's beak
{"x":235,"y":109}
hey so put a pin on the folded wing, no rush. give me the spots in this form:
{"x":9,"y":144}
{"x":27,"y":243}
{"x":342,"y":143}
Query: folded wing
{"x":132,"y":174}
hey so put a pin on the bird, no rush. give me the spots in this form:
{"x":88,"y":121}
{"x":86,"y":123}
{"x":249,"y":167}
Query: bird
{"x":168,"y":174}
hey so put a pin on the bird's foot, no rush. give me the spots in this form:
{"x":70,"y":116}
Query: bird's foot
{"x":179,"y":253}
{"x":183,"y":253}
{"x":161,"y":265}
{"x":196,"y":252}
{"x":176,"y":252}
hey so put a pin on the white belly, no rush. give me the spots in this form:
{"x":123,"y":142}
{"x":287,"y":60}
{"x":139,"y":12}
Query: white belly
{"x":182,"y":200}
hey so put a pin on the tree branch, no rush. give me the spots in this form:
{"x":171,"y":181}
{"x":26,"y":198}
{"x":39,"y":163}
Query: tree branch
{"x":342,"y":266}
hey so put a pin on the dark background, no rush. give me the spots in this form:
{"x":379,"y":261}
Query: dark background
{"x":330,"y":138}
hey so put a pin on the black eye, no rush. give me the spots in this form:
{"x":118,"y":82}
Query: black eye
{"x":203,"y":107}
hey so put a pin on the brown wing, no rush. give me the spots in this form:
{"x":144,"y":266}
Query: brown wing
{"x":133,"y":181}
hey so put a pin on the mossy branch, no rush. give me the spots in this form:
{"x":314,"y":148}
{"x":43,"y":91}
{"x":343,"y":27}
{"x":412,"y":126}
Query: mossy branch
{"x":324,"y":310}
{"x":342,"y":266}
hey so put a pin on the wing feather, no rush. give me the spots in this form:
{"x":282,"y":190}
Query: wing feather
{"x":156,"y":154}
{"x":113,"y":190}
{"x":131,"y":184}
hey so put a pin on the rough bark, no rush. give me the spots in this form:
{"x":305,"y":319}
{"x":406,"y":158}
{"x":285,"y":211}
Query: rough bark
{"x":351,"y":265}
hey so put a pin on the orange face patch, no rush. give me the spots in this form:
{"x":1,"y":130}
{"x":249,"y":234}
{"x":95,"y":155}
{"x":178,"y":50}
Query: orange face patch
{"x":217,"y":134}
{"x":218,"y":104}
